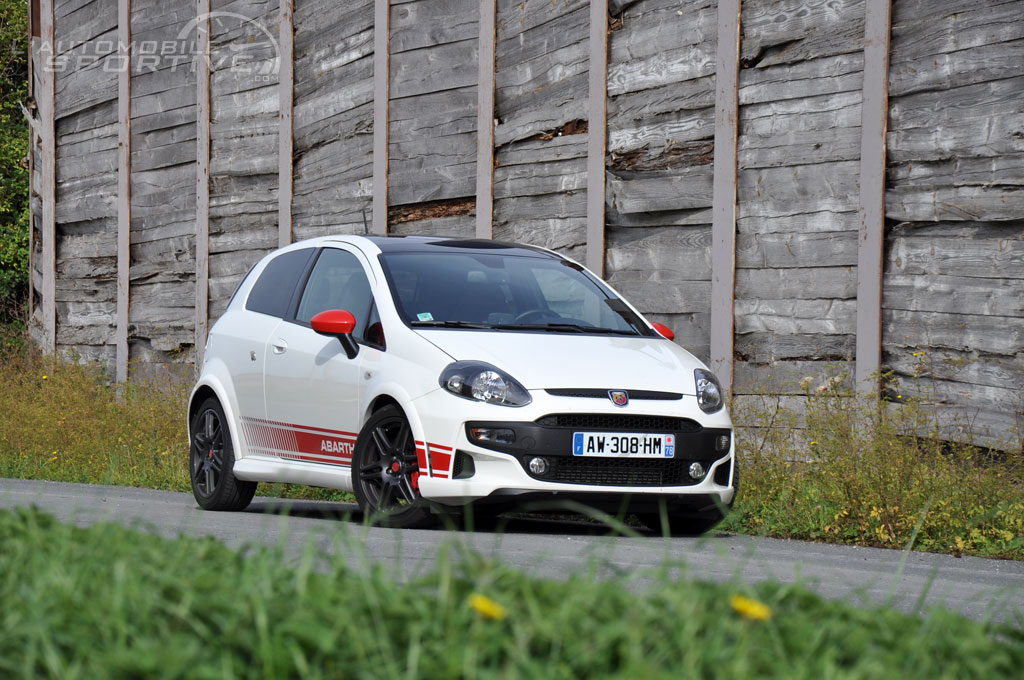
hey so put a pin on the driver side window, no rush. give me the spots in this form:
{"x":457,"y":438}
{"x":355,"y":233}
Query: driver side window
{"x":337,"y":281}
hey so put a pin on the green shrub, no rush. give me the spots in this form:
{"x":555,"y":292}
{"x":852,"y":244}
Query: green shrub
{"x":869,"y":472}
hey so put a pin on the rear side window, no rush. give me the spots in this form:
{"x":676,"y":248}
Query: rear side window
{"x":273,"y":291}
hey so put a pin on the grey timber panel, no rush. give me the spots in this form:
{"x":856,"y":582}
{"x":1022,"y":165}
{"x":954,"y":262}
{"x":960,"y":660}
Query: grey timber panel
{"x":163,"y":183}
{"x":432,"y":115}
{"x":798,"y":191}
{"x":243,"y":142}
{"x":661,"y":129}
{"x":541,"y":66}
{"x":85,"y":295}
{"x":333,"y":117}
{"x":953,"y":317}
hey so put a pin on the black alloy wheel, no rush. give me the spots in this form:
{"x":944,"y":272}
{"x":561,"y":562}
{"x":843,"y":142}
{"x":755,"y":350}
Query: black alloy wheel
{"x":386,"y":471}
{"x":212,"y":461}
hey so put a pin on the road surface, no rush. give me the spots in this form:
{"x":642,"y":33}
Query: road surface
{"x":980,"y":589}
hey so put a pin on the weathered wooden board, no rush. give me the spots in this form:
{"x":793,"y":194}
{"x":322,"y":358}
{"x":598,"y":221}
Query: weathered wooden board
{"x":432,"y":146}
{"x":792,"y":377}
{"x":659,"y":253}
{"x":810,"y":78}
{"x":994,"y":334}
{"x":796,"y":249}
{"x":541,"y":63}
{"x":969,"y":368}
{"x":785,"y":31}
{"x":660,"y":190}
{"x":804,"y":283}
{"x":796,"y":317}
{"x":769,"y":347}
{"x":977,"y":250}
{"x":460,"y":226}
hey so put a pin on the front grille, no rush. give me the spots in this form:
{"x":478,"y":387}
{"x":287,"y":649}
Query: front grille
{"x":614,"y":471}
{"x":603,"y":394}
{"x":620,"y":422}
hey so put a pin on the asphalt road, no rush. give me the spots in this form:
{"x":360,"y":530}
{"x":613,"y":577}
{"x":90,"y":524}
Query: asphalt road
{"x":978,"y":588}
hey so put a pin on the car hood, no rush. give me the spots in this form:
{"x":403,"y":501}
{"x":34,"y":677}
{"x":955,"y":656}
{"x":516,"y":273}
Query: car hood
{"x":553,"y":360}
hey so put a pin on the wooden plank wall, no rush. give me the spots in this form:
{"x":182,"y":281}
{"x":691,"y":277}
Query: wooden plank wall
{"x":540,"y":174}
{"x":86,"y":152}
{"x":661,"y":128}
{"x":953,"y":295}
{"x":243,"y":141}
{"x":801,"y":78}
{"x":952,"y":317}
{"x":333,"y":118}
{"x":163,"y":184}
{"x":432,"y":102}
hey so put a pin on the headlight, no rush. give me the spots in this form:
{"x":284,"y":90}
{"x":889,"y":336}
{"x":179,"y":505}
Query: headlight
{"x":482,"y":382}
{"x":709,"y":392}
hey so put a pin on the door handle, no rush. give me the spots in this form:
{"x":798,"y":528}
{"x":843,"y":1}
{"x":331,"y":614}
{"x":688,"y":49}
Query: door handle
{"x":280,"y":346}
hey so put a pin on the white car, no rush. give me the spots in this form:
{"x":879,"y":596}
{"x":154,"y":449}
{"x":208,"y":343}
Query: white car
{"x":427,"y":373}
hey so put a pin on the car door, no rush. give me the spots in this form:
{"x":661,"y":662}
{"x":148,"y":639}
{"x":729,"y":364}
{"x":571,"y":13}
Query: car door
{"x":240,"y":337}
{"x":311,"y":388}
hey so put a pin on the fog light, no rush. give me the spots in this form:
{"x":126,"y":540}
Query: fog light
{"x":696,"y":471}
{"x":722,"y":442}
{"x":538,"y":466}
{"x":498,"y":435}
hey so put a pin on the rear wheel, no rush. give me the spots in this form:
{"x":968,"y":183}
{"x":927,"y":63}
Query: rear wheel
{"x":386,"y":471}
{"x":212,"y":462}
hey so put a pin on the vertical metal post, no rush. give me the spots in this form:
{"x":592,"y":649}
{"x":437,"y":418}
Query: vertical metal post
{"x":202,"y":65}
{"x":723,"y":194}
{"x":48,"y":191}
{"x":485,"y":121}
{"x":286,"y":100}
{"x":874,"y":120}
{"x":597,"y":126}
{"x":381,"y":77}
{"x":124,"y":184}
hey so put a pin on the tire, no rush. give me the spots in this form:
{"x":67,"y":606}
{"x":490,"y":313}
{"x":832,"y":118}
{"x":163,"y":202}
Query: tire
{"x":212,"y":461}
{"x":385,"y":469}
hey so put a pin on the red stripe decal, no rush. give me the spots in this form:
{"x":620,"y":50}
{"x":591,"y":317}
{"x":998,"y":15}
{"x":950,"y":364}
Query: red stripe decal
{"x":299,"y":442}
{"x":440,"y":460}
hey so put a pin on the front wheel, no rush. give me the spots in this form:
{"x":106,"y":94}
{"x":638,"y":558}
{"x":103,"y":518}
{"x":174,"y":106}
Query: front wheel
{"x":212,"y":462}
{"x":386,"y":471}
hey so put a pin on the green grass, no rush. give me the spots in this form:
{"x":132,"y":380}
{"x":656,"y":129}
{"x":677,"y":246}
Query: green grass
{"x":866,"y":472}
{"x":860,"y":474}
{"x":111,"y":602}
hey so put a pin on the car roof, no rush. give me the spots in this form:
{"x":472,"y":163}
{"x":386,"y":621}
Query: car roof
{"x":437,"y":244}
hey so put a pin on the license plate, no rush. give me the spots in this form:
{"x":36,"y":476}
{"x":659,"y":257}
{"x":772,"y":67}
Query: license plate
{"x":623,"y":445}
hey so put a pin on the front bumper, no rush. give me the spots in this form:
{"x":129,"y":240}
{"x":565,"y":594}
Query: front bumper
{"x":472,"y":469}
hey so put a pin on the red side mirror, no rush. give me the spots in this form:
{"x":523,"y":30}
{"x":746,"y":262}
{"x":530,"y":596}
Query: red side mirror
{"x":333,"y":322}
{"x":664,"y":330}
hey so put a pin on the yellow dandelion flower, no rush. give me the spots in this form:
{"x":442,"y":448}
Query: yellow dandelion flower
{"x":486,"y":607}
{"x":750,"y":609}
{"x":44,"y":377}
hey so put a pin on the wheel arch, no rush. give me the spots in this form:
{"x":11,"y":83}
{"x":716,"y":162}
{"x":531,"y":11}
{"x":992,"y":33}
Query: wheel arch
{"x":209,"y":386}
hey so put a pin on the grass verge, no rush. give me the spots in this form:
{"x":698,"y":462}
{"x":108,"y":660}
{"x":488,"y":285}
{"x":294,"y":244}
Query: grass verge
{"x":868,"y":472}
{"x":112,"y":602}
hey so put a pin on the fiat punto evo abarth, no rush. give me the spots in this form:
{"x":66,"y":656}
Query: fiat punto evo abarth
{"x":424,"y":374}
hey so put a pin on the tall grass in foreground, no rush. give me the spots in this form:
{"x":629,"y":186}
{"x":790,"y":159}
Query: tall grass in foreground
{"x":114,"y":603}
{"x":861,"y":473}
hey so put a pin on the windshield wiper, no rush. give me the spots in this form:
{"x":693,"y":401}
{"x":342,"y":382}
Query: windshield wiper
{"x":559,"y":328}
{"x":449,"y":324}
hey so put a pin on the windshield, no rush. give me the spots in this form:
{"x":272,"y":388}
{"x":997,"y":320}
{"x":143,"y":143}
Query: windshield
{"x":490,"y":291}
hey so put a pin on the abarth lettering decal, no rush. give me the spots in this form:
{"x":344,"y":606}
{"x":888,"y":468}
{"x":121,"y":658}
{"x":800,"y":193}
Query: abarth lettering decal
{"x":299,"y":442}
